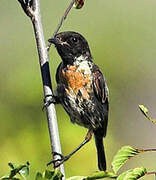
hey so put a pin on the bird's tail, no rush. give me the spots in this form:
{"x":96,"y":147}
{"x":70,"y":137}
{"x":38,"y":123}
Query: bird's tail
{"x":100,"y":153}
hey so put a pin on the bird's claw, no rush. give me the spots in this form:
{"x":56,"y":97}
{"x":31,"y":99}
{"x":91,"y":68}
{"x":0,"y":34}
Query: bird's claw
{"x":48,"y":102}
{"x":58,"y":162}
{"x":57,"y":154}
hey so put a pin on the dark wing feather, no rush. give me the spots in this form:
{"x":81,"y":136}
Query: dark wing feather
{"x":101,"y":93}
{"x":99,"y":85}
{"x":58,"y":72}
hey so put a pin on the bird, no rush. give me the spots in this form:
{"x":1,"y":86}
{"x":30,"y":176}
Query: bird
{"x":81,"y":90}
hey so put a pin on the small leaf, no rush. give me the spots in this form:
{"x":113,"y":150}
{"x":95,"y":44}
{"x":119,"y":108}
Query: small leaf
{"x":24,"y":172}
{"x":57,"y":175}
{"x":132,"y":174}
{"x":125,"y":153}
{"x":144,"y":110}
{"x":100,"y":175}
{"x":4,"y":177}
{"x":7,"y":178}
{"x":76,"y":178}
{"x":11,"y":165}
{"x":48,"y":174}
{"x":79,"y":4}
{"x":39,"y":176}
{"x":52,"y":175}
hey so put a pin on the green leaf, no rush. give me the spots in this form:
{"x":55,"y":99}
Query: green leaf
{"x":132,"y":174}
{"x":39,"y":176}
{"x":11,"y":165}
{"x":100,"y":175}
{"x":57,"y":175}
{"x":97,"y":175}
{"x":4,"y":177}
{"x":48,"y":174}
{"x":125,"y":153}
{"x":7,"y":178}
{"x":144,"y":110}
{"x":76,"y":178}
{"x":24,"y":172}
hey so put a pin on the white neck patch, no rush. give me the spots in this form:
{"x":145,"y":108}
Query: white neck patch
{"x":81,"y":58}
{"x":83,"y":64}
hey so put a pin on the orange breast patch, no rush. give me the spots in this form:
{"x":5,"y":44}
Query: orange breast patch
{"x":77,"y":80}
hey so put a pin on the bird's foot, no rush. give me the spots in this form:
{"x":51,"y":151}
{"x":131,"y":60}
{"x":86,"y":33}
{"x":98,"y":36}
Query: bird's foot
{"x":58,"y":162}
{"x":52,"y":99}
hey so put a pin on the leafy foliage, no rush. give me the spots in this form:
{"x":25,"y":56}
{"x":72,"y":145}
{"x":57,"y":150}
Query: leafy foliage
{"x":101,"y":175}
{"x":132,"y":174}
{"x":97,"y":175}
{"x":22,"y":170}
{"x":76,"y":178}
{"x":122,"y":156}
{"x":49,"y":175}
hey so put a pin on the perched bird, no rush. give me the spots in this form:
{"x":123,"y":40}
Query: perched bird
{"x":82,"y":90}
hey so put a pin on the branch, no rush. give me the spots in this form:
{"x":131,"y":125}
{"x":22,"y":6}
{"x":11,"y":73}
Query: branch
{"x":149,"y":173}
{"x":32,"y":9}
{"x":27,"y":7}
{"x":147,"y":150}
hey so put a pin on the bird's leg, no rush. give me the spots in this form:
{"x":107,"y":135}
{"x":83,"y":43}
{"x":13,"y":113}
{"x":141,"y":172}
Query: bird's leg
{"x":62,"y":159}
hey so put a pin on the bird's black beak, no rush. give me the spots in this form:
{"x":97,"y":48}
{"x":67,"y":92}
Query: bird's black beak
{"x":54,"y":41}
{"x":57,"y":41}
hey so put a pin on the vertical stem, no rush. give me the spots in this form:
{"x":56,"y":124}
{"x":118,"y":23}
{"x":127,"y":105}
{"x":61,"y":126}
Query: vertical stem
{"x":46,"y":80}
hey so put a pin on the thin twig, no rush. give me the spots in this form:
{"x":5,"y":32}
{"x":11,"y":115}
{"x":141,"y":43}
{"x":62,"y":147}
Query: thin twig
{"x":61,"y":21}
{"x":151,"y":173}
{"x":45,"y":72}
{"x":147,"y":150}
{"x":64,"y":16}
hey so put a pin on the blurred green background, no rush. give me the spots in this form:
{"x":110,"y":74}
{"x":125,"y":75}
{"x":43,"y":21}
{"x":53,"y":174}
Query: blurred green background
{"x":122,"y":38}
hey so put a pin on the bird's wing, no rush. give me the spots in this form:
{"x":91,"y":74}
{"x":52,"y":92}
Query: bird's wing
{"x":99,"y":85}
{"x":58,"y":72}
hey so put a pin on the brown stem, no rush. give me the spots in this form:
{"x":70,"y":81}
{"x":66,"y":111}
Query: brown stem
{"x":151,"y":173}
{"x":147,"y":150}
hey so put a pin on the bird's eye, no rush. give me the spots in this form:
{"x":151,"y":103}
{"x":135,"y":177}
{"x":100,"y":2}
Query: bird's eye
{"x":74,"y":39}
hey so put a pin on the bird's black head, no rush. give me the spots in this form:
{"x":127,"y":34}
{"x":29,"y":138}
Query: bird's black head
{"x":71,"y":45}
